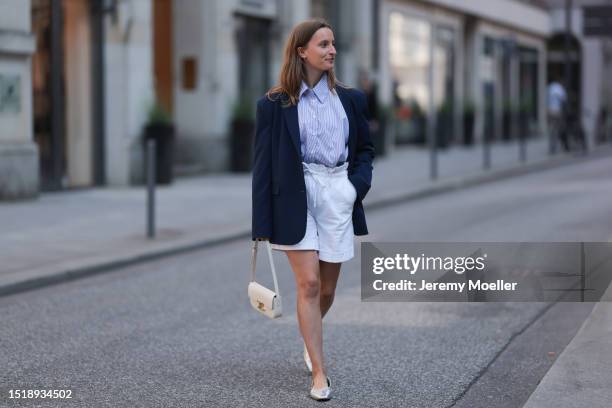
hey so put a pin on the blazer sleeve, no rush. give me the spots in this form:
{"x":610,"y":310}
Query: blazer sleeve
{"x":262,"y":173}
{"x":361,"y":176}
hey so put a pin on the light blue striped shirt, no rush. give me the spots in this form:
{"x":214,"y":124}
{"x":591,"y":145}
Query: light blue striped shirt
{"x":324,"y":127}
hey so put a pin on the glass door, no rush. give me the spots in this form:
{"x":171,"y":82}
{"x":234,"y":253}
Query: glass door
{"x":253,"y":43}
{"x":47,"y":92}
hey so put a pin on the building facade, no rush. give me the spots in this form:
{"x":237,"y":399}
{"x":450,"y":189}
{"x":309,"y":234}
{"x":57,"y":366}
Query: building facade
{"x":226,"y":53}
{"x":18,"y":152}
{"x":445,"y":57}
{"x":439,"y":55}
{"x":589,"y":55}
{"x":89,"y":71}
{"x":66,"y":79}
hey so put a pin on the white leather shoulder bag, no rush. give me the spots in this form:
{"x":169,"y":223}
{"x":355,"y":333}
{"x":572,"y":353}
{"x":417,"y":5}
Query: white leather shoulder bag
{"x":263,"y":299}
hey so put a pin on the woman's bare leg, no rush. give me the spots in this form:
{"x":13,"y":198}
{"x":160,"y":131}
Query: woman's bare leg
{"x":329,"y":278}
{"x":305,"y":266}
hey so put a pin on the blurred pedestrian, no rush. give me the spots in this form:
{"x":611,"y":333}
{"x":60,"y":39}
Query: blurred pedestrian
{"x":369,"y":88}
{"x":312,"y":169}
{"x":375,"y":121}
{"x":557,"y":105}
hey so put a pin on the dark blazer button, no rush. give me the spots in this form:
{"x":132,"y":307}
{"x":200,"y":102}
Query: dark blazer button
{"x":302,"y":191}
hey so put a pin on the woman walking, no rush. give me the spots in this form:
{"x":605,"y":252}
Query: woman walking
{"x":312,"y":169}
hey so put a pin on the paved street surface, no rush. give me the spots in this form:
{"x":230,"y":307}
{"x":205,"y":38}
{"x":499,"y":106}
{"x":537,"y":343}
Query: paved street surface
{"x":179,"y":331}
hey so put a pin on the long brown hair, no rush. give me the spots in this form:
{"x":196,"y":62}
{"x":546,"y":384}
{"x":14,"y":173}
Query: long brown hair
{"x":293,"y":70}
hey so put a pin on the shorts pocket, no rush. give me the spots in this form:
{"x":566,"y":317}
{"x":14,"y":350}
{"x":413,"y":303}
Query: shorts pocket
{"x":352,"y":191}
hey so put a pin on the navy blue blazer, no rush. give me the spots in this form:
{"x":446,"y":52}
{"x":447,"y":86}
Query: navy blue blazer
{"x":279,"y":190}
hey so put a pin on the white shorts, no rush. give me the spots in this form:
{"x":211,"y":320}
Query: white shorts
{"x":330,"y":197}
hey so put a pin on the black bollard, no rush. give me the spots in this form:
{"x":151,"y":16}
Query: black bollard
{"x":151,"y":188}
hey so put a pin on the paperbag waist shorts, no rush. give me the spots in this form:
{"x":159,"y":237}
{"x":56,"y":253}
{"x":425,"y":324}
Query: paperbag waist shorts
{"x":330,"y":197}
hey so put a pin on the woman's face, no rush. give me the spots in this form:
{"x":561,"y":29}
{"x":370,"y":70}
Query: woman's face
{"x":320,"y":52}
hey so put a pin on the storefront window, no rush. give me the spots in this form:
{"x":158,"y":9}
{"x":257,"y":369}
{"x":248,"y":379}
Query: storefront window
{"x":444,"y":62}
{"x":409,"y":42}
{"x":528,"y":74}
{"x":509,"y":104}
{"x":488,"y":76}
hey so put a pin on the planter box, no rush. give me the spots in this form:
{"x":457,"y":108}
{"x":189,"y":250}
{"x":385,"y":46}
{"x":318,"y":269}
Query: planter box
{"x":468,"y":129}
{"x":164,"y":150}
{"x":241,"y":145}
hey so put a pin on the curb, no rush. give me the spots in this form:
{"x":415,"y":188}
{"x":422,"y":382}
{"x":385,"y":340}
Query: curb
{"x":93,"y":268}
{"x":89,"y":268}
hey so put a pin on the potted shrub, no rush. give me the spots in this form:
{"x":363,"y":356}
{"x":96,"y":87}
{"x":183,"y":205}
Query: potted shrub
{"x":507,"y":119}
{"x":489,"y":122}
{"x":468,"y":122}
{"x":402,"y":115}
{"x":384,"y":117}
{"x":160,"y":128}
{"x":418,"y":122}
{"x":444,"y":126}
{"x":524,"y":111}
{"x":242,"y":135}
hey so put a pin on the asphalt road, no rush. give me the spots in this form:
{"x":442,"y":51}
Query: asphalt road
{"x":179,"y":331}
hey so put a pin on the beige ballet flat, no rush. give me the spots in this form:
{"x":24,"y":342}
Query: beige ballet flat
{"x":307,"y":360}
{"x":321,"y":394}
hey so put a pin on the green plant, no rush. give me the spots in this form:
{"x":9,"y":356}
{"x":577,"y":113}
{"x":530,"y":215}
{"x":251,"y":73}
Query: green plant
{"x":384,"y":112}
{"x":445,"y":108}
{"x":158,"y":115}
{"x":243,"y":109}
{"x":468,"y":107}
{"x":525,"y":106}
{"x":416,"y":109}
{"x":509,"y":106}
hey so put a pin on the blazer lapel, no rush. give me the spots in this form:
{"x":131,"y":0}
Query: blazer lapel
{"x":291,"y":119}
{"x":345,"y":98}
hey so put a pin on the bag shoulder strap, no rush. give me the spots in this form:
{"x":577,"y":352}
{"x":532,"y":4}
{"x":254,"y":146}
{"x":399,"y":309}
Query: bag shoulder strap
{"x":254,"y":264}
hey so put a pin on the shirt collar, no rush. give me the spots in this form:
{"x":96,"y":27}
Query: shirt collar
{"x":320,"y":90}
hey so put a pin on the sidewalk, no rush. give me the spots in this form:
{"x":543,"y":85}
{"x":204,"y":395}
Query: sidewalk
{"x":68,"y":234}
{"x":582,"y":375}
